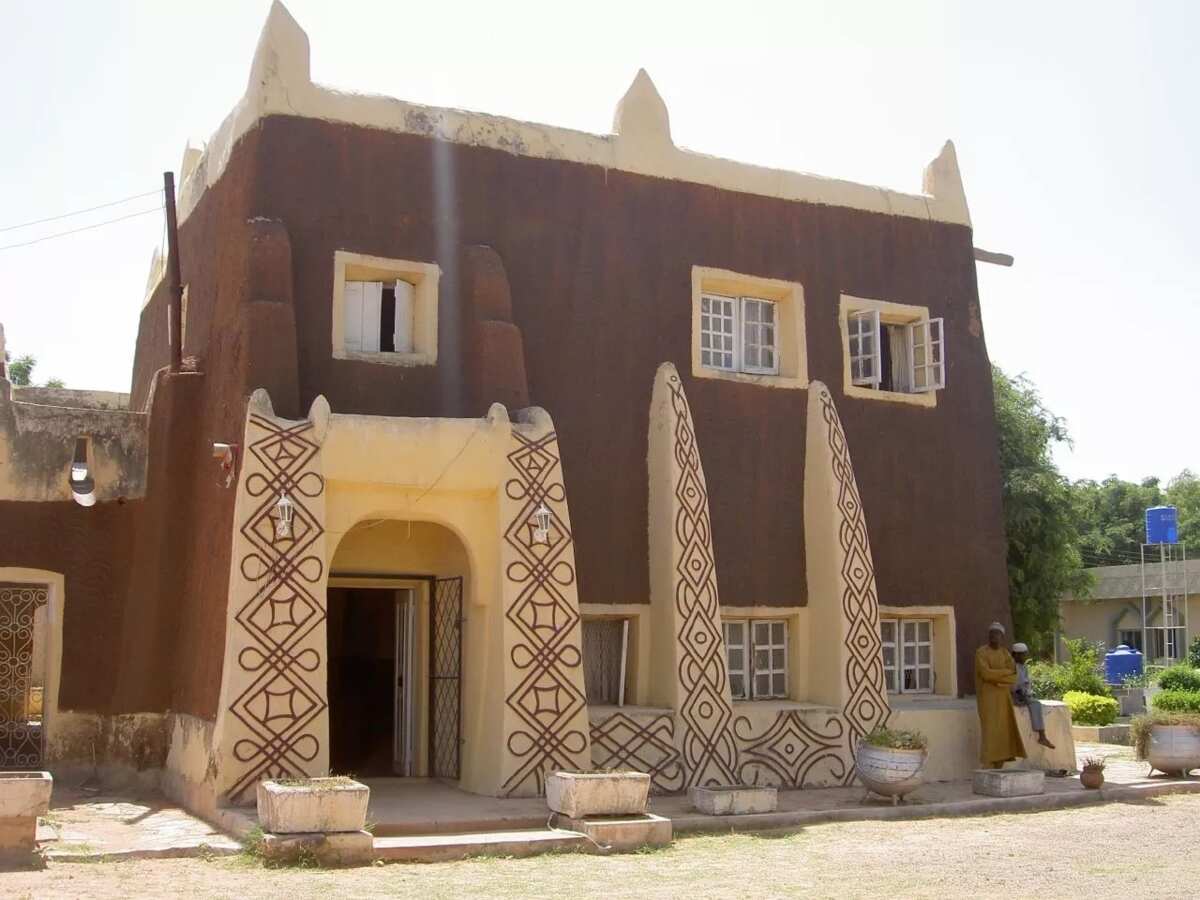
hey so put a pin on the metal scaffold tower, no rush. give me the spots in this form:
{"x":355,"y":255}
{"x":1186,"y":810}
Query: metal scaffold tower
{"x":1164,"y":603}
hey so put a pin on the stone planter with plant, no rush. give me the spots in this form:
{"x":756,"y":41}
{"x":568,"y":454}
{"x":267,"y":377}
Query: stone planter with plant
{"x":890,"y":762}
{"x":1169,"y":741}
{"x":1091,"y":773}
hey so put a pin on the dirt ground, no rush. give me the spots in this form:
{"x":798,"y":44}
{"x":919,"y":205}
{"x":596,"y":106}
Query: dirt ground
{"x":1111,"y":850}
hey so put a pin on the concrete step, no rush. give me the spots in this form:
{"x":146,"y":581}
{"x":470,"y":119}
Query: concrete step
{"x":442,"y":847}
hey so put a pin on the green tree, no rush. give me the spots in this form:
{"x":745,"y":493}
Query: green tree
{"x":1113,"y":518}
{"x":20,"y":370}
{"x":1039,"y":512}
{"x":1183,"y":492}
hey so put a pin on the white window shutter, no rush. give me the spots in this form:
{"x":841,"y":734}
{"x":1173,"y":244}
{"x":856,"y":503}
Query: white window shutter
{"x":352,"y":321}
{"x":866,"y":358}
{"x":372,"y":300}
{"x":927,"y":355}
{"x":403,"y":334}
{"x":937,"y":354}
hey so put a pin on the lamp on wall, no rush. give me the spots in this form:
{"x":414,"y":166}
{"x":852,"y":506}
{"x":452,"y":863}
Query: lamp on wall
{"x":83,"y":486}
{"x":541,"y":525}
{"x":284,"y":509}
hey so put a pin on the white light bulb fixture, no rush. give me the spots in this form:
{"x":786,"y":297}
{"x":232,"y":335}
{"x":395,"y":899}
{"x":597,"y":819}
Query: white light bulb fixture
{"x":284,"y":509}
{"x":541,"y":525}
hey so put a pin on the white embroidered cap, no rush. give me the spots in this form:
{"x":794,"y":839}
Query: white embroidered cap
{"x":996,"y":626}
{"x":1019,"y":648}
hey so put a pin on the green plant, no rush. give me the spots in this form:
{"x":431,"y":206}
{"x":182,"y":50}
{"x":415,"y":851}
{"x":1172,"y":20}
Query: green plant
{"x":1094,"y":763}
{"x":1091,"y":709}
{"x":1081,"y":672}
{"x":1194,"y":653}
{"x":896,"y":738}
{"x":1180,"y":677}
{"x":1141,"y":727}
{"x":1177,"y":701}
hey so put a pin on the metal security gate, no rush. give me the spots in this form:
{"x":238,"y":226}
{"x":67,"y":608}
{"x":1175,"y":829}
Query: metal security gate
{"x":445,"y":677}
{"x":20,"y":704}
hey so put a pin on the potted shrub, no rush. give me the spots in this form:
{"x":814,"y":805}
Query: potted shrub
{"x":1091,"y":774}
{"x":891,"y":762}
{"x":1169,"y":741}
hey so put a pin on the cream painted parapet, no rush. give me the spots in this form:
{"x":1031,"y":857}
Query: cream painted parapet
{"x":545,"y":724}
{"x":846,"y":658}
{"x":688,"y":667}
{"x":280,"y":84}
{"x":273,"y":717}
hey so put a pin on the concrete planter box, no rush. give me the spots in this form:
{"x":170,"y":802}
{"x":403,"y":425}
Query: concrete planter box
{"x":1101,"y":734}
{"x":576,"y":794}
{"x":1009,"y":782}
{"x":1174,"y":748}
{"x":326,"y":805}
{"x":23,"y":797}
{"x":733,"y":800}
{"x":888,"y":772}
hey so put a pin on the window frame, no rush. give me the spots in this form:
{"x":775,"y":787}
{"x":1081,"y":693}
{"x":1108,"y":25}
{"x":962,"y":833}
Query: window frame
{"x":749,"y":648}
{"x":740,"y":325}
{"x":924,"y":344}
{"x":424,"y":277}
{"x":894,"y":675}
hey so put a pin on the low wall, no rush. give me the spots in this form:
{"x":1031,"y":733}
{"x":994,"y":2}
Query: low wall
{"x":952,"y":726}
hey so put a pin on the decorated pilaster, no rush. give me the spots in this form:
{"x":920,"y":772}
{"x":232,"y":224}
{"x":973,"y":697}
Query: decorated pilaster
{"x":545,"y":715}
{"x":273,"y":718}
{"x":846,"y":657}
{"x":689,"y":671}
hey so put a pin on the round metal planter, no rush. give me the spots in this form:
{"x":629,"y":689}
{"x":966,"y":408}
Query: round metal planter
{"x":1174,"y":749}
{"x":890,"y":773}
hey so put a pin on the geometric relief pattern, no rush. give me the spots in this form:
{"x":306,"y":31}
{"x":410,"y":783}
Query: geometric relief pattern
{"x":277,"y":663}
{"x":867,"y":704}
{"x":548,"y":697}
{"x":621,"y":741}
{"x":791,"y":752}
{"x":705,"y":713}
{"x":20,"y":726}
{"x":445,"y":677}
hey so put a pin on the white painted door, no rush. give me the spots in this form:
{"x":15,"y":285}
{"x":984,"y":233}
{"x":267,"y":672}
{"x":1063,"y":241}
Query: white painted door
{"x":404,"y":732}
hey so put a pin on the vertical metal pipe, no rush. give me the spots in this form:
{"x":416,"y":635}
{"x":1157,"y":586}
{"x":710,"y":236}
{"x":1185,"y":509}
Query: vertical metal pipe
{"x":175,"y":283}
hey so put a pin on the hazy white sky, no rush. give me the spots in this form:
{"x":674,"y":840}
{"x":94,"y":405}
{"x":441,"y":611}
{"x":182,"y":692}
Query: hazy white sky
{"x":1075,"y":125}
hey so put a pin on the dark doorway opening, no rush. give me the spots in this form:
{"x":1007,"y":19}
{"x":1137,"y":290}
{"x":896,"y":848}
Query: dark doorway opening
{"x":364,"y":680}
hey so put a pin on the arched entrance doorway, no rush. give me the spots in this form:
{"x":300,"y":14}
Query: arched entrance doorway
{"x":394,"y":632}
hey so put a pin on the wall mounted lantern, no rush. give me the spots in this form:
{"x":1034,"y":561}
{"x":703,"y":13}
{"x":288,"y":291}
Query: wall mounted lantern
{"x":284,"y":508}
{"x":541,"y":525}
{"x":83,"y":486}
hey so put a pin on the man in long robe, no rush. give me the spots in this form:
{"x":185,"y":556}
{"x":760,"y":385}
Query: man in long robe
{"x":995,"y":676}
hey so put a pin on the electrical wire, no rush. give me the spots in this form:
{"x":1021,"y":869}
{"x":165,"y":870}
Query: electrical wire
{"x":79,"y":212}
{"x":50,"y":237}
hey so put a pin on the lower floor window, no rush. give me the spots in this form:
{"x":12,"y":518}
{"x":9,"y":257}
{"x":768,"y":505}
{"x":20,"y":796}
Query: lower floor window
{"x":605,"y":652}
{"x":756,"y":654}
{"x":907,"y":655}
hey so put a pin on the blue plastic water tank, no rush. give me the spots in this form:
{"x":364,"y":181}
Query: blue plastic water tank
{"x":1162,"y":525}
{"x":1122,"y":663}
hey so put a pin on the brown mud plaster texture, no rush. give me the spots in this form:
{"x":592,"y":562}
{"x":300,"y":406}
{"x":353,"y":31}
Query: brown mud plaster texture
{"x":598,"y":267}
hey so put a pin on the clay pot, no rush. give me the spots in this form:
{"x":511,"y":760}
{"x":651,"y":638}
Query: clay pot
{"x":1092,"y":778}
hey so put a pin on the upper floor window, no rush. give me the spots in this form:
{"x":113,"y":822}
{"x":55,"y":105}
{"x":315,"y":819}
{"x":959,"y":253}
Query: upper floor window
{"x":893,"y":351}
{"x":737,"y":334}
{"x":756,"y":652}
{"x":749,"y":329}
{"x":384,"y":310}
